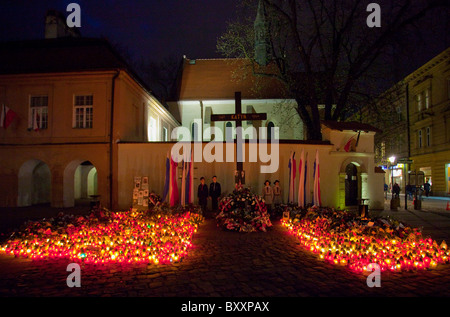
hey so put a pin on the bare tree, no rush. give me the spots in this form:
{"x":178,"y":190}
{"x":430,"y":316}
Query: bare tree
{"x":323,"y":51}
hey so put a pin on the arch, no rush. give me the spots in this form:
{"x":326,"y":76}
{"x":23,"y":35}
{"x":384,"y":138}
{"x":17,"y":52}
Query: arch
{"x":195,"y":131}
{"x":228,"y":132}
{"x":270,"y":126}
{"x":361,"y":167}
{"x":80,"y":181}
{"x":351,"y":185}
{"x":34,"y":183}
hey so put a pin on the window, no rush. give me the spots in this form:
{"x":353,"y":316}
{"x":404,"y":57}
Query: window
{"x":165,"y":134}
{"x":38,"y":113}
{"x":427,"y":99}
{"x":428,"y":136}
{"x":195,"y":132}
{"x":228,"y":131}
{"x":83,"y":112}
{"x":270,"y":129}
{"x":152,"y":130}
{"x":419,"y":102}
{"x":420,"y":138}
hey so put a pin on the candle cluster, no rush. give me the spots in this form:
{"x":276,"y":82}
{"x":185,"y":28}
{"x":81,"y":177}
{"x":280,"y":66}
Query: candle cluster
{"x":342,"y":238}
{"x":125,"y":237}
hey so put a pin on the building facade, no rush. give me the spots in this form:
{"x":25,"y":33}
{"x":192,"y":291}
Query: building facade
{"x":75,"y":100}
{"x":207,"y":87}
{"x":429,"y":100}
{"x":414,"y":118}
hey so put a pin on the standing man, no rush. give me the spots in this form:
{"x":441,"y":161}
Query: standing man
{"x":427,"y":188}
{"x":202,"y":195}
{"x":214,"y":192}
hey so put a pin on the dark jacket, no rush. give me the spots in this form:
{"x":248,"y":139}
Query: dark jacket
{"x":202,"y":193}
{"x":215,"y":190}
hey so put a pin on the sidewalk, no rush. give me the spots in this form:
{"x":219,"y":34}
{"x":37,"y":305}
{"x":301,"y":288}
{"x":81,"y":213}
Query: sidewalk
{"x":433,"y":217}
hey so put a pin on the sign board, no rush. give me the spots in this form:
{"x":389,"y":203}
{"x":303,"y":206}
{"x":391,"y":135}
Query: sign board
{"x":239,"y":117}
{"x":140,"y":193}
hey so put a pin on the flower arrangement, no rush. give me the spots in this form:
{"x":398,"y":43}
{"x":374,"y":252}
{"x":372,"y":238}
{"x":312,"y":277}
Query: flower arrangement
{"x":243,"y":211}
{"x":152,"y":236}
{"x":340,"y":237}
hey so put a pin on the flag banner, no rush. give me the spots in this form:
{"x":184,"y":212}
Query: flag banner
{"x":167,"y":182}
{"x":307,"y":192}
{"x":292,"y":167}
{"x":183,"y":182}
{"x":173,"y":188}
{"x":301,"y":180}
{"x":6,"y":117}
{"x":36,"y":121}
{"x":348,"y":145}
{"x":317,"y":199}
{"x":191,"y":178}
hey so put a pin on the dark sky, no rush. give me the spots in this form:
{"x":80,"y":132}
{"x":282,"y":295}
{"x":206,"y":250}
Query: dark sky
{"x":155,"y":28}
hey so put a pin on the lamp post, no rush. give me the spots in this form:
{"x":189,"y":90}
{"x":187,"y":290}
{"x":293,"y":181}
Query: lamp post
{"x":392,"y":161}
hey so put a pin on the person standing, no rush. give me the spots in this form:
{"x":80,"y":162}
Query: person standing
{"x":427,"y":188}
{"x":202,"y":195}
{"x":277,"y":193}
{"x":396,"y":190}
{"x":214,"y":192}
{"x":268,"y":196}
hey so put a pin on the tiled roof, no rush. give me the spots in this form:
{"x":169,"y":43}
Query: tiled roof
{"x":220,"y":78}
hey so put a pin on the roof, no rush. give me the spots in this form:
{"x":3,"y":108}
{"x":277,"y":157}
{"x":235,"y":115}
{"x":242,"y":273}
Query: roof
{"x":350,"y":126}
{"x":58,"y":55}
{"x":220,"y":78}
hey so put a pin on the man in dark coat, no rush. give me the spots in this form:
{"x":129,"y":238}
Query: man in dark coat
{"x":215,"y":192}
{"x":202,"y":194}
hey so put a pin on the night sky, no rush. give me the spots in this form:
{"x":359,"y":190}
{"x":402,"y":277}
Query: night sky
{"x":156,"y":29}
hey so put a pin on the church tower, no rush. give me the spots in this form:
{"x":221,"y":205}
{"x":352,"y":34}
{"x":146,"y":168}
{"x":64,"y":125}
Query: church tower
{"x":261,"y":47}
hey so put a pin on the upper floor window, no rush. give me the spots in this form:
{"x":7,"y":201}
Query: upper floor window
{"x":420,"y":138}
{"x":419,"y":102}
{"x":38,"y":113}
{"x":427,"y":99}
{"x":165,"y":134}
{"x":428,"y":136}
{"x":83,"y":112}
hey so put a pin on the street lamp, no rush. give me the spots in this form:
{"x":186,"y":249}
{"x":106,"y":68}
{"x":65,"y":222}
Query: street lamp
{"x":392,"y":161}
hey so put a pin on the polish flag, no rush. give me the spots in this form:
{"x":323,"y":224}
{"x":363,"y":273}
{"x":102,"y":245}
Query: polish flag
{"x":6,"y":117}
{"x":36,"y":122}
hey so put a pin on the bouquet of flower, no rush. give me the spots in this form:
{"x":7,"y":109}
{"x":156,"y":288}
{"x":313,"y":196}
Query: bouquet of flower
{"x":243,"y":211}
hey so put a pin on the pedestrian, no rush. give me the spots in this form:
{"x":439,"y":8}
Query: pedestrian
{"x":277,"y":199}
{"x":409,"y":191}
{"x":396,"y":190}
{"x":214,"y":193}
{"x":427,"y":188}
{"x":268,"y":195}
{"x":202,"y":195}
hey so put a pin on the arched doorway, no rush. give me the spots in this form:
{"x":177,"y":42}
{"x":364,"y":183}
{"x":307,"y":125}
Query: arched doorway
{"x":35,"y":181}
{"x":80,"y":183}
{"x":351,"y":185}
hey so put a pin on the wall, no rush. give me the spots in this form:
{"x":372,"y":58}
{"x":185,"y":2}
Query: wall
{"x":149,"y":160}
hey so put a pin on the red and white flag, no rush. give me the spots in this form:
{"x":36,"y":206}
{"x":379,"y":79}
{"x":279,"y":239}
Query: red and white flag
{"x":6,"y":117}
{"x":36,"y":121}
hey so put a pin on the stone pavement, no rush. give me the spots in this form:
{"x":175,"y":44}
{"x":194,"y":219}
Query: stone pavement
{"x":220,"y":264}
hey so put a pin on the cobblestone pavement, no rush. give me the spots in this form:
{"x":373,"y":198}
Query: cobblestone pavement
{"x":220,"y":264}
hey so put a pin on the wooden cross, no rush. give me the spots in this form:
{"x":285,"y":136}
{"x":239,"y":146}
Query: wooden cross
{"x":238,"y":117}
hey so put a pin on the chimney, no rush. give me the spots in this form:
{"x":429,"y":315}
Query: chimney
{"x":56,"y":26}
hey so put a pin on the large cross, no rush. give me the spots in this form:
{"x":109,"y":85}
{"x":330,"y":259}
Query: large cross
{"x":238,"y":117}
